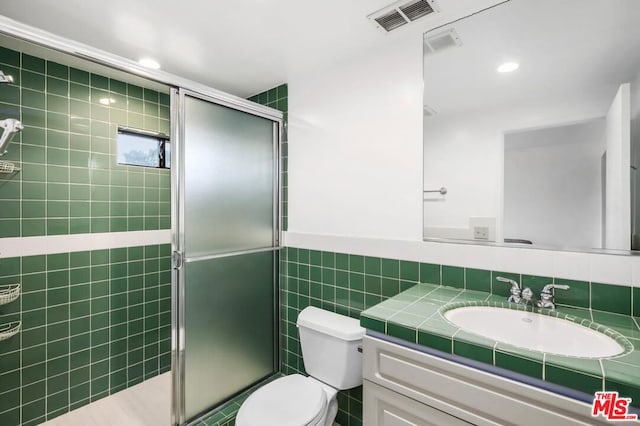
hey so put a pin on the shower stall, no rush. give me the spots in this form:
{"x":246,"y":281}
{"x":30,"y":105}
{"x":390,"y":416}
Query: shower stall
{"x":225,"y":242}
{"x":131,"y":272}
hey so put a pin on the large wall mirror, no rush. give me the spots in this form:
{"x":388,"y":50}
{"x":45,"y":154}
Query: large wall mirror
{"x":532,"y":126}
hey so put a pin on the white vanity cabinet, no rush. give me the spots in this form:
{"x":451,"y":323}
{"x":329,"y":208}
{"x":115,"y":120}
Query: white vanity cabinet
{"x":406,"y":387}
{"x":386,"y":407}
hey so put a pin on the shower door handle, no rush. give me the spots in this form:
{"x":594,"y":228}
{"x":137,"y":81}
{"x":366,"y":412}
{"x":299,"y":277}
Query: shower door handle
{"x":177,"y":259}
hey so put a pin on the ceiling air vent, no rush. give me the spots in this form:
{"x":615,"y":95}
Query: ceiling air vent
{"x":391,"y":21}
{"x":402,"y":12}
{"x":416,"y":9}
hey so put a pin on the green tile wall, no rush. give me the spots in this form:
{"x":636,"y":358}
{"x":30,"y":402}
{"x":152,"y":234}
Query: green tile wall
{"x":70,"y":182}
{"x":348,"y":284}
{"x":93,"y":323}
{"x":338,"y":282}
{"x":278,"y":98}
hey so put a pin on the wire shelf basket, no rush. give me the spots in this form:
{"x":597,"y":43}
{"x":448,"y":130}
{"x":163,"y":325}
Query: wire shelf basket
{"x":9,"y":330}
{"x":9,"y":293}
{"x":7,"y":167}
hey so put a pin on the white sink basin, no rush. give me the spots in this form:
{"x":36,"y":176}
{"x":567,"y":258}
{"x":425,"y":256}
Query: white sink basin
{"x":536,"y":332}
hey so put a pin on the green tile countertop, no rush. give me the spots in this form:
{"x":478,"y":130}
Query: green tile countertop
{"x":416,"y":316}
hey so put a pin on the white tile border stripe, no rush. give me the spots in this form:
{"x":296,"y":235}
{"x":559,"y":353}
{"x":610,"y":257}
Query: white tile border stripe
{"x":30,"y":246}
{"x":608,"y":269}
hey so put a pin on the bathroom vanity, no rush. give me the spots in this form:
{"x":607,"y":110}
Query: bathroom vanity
{"x":420,"y":369}
{"x":405,"y":386}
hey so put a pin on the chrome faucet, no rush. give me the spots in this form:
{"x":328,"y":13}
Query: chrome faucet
{"x":547,"y":296}
{"x":518,"y":295}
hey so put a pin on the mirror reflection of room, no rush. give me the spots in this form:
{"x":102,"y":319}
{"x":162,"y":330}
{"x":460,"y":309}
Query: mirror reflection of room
{"x":531,"y":122}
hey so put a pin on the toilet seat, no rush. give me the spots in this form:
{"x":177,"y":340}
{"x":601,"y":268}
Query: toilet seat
{"x":293,"y":400}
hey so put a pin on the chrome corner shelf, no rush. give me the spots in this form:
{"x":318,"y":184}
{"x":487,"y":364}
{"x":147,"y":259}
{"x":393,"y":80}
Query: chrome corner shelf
{"x":9,"y":293}
{"x":9,"y":330}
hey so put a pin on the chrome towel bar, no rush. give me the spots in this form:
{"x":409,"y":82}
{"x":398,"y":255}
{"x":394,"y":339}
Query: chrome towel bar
{"x":442,"y":190}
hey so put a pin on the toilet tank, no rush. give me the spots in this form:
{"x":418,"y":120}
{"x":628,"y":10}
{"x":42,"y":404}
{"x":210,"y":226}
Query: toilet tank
{"x":330,"y":344}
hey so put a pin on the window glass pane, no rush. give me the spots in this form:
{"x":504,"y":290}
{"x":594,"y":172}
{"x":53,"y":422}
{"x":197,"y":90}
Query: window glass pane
{"x":138,"y":150}
{"x":167,"y":155}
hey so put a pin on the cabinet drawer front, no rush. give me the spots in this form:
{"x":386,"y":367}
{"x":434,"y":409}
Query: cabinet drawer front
{"x":465,"y":392}
{"x":387,"y":408}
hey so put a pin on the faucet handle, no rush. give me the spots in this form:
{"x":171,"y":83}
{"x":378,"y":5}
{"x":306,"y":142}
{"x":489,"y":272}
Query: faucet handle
{"x":548,"y":289}
{"x":515,"y":289}
{"x":546,"y":297}
{"x":514,"y":284}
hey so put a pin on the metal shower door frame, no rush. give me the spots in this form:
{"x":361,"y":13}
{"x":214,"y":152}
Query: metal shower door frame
{"x":178,"y":346}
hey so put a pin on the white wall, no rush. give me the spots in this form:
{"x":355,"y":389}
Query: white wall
{"x":552,"y":185}
{"x":355,"y":151}
{"x":618,"y":206}
{"x":355,"y":172}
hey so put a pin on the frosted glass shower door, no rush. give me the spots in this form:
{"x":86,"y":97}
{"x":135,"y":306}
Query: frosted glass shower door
{"x":226,"y":236}
{"x":228,"y":174}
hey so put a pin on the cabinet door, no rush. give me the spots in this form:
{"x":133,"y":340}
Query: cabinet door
{"x":383,"y":407}
{"x":476,"y":396}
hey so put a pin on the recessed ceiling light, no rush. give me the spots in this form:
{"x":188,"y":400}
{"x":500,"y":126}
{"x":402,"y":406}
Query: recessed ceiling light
{"x":149,"y":63}
{"x":508,"y":67}
{"x":107,"y":101}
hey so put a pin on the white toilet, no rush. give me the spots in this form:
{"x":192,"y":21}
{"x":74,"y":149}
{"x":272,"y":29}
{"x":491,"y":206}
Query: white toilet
{"x":331,"y":357}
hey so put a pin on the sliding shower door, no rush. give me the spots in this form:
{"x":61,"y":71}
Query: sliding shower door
{"x":225,"y":240}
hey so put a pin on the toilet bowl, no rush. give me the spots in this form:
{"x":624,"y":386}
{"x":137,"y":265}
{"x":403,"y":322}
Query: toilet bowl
{"x":330,"y":352}
{"x":293,"y":400}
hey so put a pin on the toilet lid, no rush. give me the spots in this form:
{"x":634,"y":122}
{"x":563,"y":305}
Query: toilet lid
{"x":293,"y":400}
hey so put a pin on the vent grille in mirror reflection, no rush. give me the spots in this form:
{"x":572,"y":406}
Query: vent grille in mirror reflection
{"x":441,"y":41}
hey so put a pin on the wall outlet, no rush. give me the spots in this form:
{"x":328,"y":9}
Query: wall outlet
{"x":480,"y":232}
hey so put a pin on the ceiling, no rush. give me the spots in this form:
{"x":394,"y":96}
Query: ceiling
{"x":565,"y":49}
{"x":242,"y":47}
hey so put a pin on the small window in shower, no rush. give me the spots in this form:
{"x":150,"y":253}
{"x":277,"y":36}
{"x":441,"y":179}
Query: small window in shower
{"x":142,"y":148}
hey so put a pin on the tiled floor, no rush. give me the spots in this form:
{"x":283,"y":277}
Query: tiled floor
{"x":146,"y":404}
{"x":225,"y":415}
